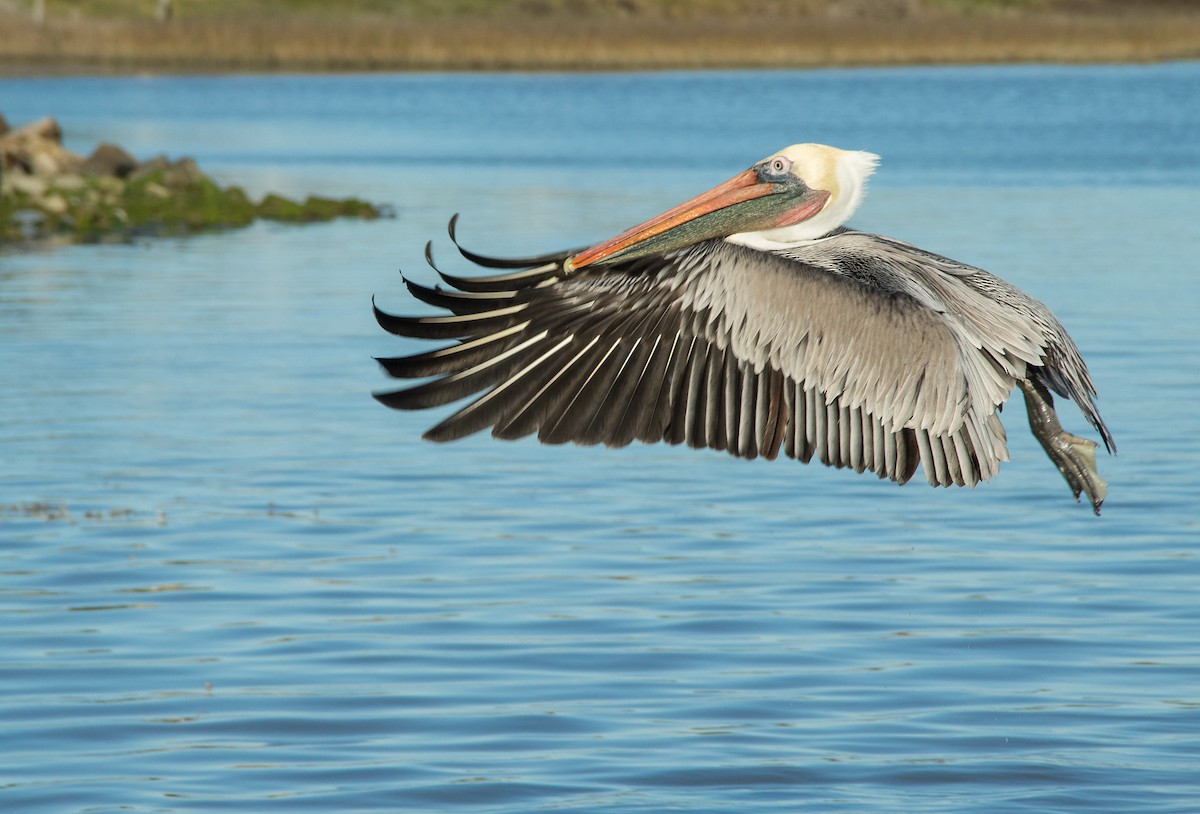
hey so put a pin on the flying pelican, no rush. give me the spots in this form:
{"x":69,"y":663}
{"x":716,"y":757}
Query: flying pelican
{"x":749,"y":319}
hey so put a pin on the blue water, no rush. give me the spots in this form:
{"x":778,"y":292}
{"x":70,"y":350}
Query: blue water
{"x":231,"y":581}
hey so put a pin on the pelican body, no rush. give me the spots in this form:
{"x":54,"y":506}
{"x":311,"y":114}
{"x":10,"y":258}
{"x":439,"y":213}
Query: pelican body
{"x":750,"y":319}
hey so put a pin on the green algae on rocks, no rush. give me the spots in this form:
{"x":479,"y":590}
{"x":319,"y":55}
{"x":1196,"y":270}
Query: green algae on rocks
{"x":49,"y":193}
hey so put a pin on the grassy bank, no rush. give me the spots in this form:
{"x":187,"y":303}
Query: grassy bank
{"x":223,"y":35}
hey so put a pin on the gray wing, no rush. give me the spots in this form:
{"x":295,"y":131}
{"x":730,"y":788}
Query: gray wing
{"x":720,"y":346}
{"x":994,"y":324}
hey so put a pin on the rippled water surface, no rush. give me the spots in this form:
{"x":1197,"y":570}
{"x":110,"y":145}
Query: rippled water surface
{"x":231,"y":581}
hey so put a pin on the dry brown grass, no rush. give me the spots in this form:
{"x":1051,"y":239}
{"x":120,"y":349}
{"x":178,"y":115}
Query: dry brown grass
{"x":374,"y":42}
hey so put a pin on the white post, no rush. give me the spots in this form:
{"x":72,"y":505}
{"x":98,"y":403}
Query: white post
{"x":39,"y":12}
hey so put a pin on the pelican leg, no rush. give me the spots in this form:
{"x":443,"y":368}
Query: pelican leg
{"x":1075,"y":457}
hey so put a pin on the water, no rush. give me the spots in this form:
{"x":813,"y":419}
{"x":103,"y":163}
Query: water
{"x":231,"y":581}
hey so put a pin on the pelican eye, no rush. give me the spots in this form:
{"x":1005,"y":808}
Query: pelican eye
{"x":775,"y":169}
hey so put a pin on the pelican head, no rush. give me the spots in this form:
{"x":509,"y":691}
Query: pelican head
{"x":795,"y":195}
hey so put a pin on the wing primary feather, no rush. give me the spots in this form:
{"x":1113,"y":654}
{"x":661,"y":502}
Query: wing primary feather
{"x":879,"y":442}
{"x":908,"y":456}
{"x":967,"y":464}
{"x":554,"y":259}
{"x":815,"y":424}
{"x":868,"y":440}
{"x":553,"y":403}
{"x":772,"y":414}
{"x":675,"y":431}
{"x":931,"y":459}
{"x":641,"y":395}
{"x":793,"y":416}
{"x":516,"y":394}
{"x":458,"y":302}
{"x":693,"y":397}
{"x":529,"y":278}
{"x":803,"y":447}
{"x":950,"y":454}
{"x":571,"y":415}
{"x":881,"y":447}
{"x":660,"y":393}
{"x":747,"y":408}
{"x":452,"y":358}
{"x":611,"y":405}
{"x":855,"y":458}
{"x":801,"y":421}
{"x":460,"y":384}
{"x":574,"y":415}
{"x":713,"y":398}
{"x":448,"y":327}
{"x":833,"y":446}
{"x":559,"y":386}
{"x":627,"y":402}
{"x":605,"y":425}
{"x":846,"y":422}
{"x":927,"y":463}
{"x":891,"y":454}
{"x":476,"y":415}
{"x":731,"y":402}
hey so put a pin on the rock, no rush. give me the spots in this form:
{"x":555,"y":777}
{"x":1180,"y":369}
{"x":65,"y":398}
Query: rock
{"x":149,"y":166}
{"x":109,"y":160}
{"x":46,"y":128}
{"x":4,"y":128}
{"x":50,"y":159}
{"x":182,"y":173}
{"x":37,"y":149}
{"x":55,"y":204}
{"x":174,"y":174}
{"x":69,"y":183}
{"x":109,"y":186}
{"x":28,"y":184}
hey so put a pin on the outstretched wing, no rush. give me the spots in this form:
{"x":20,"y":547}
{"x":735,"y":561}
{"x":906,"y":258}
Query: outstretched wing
{"x":715,"y":345}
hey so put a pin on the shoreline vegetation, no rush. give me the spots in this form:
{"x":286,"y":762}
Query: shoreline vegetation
{"x":51,"y":195}
{"x":39,"y":37}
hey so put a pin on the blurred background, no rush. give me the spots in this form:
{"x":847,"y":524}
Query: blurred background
{"x":60,"y":35}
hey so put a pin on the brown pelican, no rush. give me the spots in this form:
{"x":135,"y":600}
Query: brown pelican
{"x":749,"y":319}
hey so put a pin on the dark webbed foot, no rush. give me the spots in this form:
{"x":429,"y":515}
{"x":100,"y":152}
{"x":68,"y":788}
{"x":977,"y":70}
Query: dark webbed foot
{"x":1075,"y":457}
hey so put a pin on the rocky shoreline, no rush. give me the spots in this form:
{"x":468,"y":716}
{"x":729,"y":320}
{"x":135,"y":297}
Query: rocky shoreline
{"x":48,"y":193}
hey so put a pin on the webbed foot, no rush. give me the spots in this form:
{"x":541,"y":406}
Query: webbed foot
{"x":1075,"y":457}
